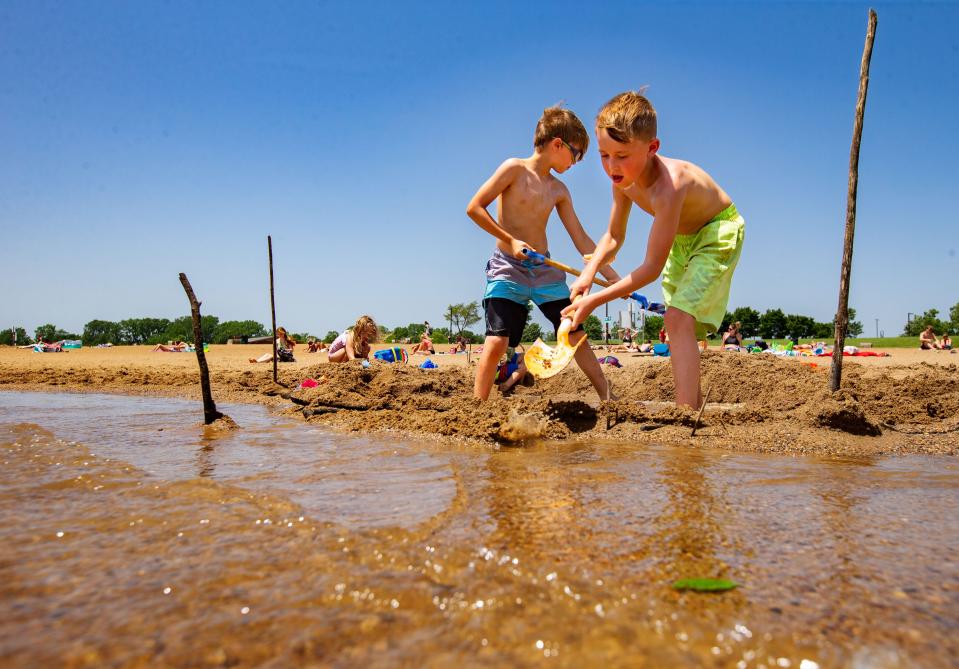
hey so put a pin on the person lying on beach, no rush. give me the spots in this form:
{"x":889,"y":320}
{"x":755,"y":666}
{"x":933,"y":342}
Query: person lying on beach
{"x":928,"y":340}
{"x":512,"y":371}
{"x":354,"y":343}
{"x":694,"y":243}
{"x":425,"y":346}
{"x":316,"y":345}
{"x":527,"y":193}
{"x":284,"y":348}
{"x":175,"y":347}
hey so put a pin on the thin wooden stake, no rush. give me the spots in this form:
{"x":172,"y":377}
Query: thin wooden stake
{"x":701,"y":410}
{"x":269,"y":245}
{"x":210,"y":413}
{"x":842,"y":314}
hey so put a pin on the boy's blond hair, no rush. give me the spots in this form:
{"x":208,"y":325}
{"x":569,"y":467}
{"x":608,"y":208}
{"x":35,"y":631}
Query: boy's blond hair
{"x":562,"y":123}
{"x":628,"y":116}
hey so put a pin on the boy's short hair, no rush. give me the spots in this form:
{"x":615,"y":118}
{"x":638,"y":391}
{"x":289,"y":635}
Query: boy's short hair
{"x":562,"y":123}
{"x":628,"y":116}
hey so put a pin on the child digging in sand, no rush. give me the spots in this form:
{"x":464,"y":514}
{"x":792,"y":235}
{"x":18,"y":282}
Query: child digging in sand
{"x":526,"y":194}
{"x":355,"y":342}
{"x":695,"y":240}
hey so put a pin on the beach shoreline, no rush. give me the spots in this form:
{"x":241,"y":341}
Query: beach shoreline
{"x":907,"y":403}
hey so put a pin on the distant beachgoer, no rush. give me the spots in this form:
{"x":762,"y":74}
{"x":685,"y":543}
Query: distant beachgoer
{"x":662,"y":335}
{"x":355,"y":342}
{"x":425,"y":346}
{"x":732,"y":338}
{"x":176,"y":347}
{"x":512,"y":371}
{"x":646,"y":346}
{"x":928,"y":340}
{"x":284,"y":348}
{"x":946,"y":342}
{"x":428,"y":328}
{"x":459,"y":346}
{"x":316,"y":345}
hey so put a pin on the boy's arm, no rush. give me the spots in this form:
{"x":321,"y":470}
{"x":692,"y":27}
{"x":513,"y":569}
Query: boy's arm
{"x":611,"y":240}
{"x":661,"y":236}
{"x":502,"y":179}
{"x":582,"y":241}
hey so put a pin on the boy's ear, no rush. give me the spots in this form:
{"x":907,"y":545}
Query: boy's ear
{"x":653,"y":146}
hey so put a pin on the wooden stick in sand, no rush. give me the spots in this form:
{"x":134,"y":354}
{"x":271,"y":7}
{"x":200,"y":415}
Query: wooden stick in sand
{"x":701,"y":410}
{"x":269,"y":246}
{"x":842,"y":314}
{"x":210,"y":413}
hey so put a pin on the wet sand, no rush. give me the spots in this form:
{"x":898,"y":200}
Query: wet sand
{"x":905,"y":403}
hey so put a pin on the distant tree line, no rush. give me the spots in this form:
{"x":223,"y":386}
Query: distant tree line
{"x":771,"y":324}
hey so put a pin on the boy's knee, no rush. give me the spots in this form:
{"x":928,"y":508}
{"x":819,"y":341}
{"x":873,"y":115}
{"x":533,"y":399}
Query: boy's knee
{"x":676,"y":320}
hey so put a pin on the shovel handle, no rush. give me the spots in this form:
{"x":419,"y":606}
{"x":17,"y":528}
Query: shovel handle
{"x":643,"y":302}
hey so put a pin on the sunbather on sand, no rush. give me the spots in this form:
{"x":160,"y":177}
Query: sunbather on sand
{"x":284,"y":342}
{"x":425,"y":346}
{"x":176,"y":347}
{"x":316,"y":345}
{"x":928,"y":340}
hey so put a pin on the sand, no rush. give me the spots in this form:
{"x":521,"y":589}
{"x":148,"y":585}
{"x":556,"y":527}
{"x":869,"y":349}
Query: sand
{"x":903,"y":404}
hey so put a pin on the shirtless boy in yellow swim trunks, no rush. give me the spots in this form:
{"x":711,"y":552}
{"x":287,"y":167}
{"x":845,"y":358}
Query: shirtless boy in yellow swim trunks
{"x":695,"y":240}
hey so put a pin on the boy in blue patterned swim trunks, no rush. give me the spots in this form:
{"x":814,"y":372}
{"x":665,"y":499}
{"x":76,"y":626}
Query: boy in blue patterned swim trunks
{"x":526,"y":193}
{"x":695,"y":240}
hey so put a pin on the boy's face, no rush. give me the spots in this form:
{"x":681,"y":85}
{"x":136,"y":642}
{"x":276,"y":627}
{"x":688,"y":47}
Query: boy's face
{"x":564,"y":155}
{"x":625,"y":162}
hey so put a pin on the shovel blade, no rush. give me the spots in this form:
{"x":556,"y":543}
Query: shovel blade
{"x":544,"y":361}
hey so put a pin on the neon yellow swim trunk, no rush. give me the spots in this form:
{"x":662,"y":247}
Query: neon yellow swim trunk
{"x":699,"y":270}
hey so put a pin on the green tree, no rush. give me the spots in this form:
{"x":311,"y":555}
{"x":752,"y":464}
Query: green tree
{"x":800,"y":326}
{"x":532,"y":331}
{"x":101,"y":332}
{"x":230,"y":329}
{"x":182,"y":329}
{"x":593,"y":327}
{"x":142,"y":330}
{"x":748,"y":318}
{"x":462,"y":316}
{"x":651,"y":328}
{"x":330,"y":336}
{"x":6,"y":337}
{"x":441,"y":336}
{"x":920,"y":323}
{"x":772,"y":324}
{"x":50,"y":332}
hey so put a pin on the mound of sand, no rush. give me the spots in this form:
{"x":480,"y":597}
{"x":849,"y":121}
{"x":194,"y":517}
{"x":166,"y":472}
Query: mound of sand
{"x":756,"y":403}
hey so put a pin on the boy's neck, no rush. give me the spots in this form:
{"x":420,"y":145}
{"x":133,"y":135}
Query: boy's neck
{"x":650,"y":173}
{"x":539,"y":163}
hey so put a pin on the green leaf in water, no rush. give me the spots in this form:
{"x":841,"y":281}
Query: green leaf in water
{"x":704,"y":584}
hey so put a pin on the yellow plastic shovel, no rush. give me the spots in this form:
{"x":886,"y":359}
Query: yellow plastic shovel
{"x":543,"y":361}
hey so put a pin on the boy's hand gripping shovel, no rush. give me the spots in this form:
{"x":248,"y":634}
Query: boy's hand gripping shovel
{"x":543,"y":361}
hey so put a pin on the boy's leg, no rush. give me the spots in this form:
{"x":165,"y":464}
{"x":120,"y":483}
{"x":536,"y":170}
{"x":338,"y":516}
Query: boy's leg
{"x":493,"y":349}
{"x":504,"y":327}
{"x":684,"y":354}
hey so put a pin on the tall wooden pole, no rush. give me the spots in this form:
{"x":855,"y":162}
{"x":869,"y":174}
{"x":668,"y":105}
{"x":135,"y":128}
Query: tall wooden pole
{"x":269,"y":245}
{"x":210,"y":413}
{"x":842,"y":314}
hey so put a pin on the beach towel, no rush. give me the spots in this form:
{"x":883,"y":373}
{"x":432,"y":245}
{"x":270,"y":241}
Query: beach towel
{"x":395,"y":354}
{"x":610,"y":360}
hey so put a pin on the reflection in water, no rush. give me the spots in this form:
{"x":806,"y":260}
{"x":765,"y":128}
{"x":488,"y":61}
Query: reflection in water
{"x":156,"y":544}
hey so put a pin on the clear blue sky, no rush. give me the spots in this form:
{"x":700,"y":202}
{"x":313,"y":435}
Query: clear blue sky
{"x":142,"y":139}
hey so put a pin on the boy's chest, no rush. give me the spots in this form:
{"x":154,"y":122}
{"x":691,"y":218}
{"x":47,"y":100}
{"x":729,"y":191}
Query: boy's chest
{"x":531,"y":194}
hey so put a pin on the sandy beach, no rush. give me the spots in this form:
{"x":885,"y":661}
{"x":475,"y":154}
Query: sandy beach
{"x":905,"y":403}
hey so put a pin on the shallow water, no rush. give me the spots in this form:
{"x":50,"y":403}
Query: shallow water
{"x":134,"y":537}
